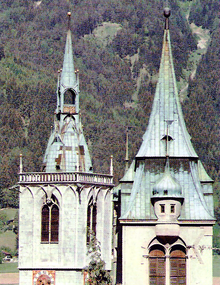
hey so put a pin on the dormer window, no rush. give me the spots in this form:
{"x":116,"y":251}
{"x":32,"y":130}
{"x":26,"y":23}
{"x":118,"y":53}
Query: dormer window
{"x":69,"y":97}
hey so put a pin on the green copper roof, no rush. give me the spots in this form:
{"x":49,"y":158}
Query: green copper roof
{"x":166,"y":112}
{"x":68,"y":77}
{"x":166,"y":135}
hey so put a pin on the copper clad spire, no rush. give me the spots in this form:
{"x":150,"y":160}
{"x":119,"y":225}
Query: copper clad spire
{"x":166,"y":108}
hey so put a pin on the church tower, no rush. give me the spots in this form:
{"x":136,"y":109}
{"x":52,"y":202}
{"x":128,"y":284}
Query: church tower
{"x":165,"y":197}
{"x":60,"y":207}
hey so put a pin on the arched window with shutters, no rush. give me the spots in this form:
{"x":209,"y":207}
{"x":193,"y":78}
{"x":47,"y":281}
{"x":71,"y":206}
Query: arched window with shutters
{"x":178,"y":265}
{"x":91,"y":219}
{"x":50,"y":221}
{"x":157,"y":265}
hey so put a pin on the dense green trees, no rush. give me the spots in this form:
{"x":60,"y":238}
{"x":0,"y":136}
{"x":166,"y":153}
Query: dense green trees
{"x":32,"y":40}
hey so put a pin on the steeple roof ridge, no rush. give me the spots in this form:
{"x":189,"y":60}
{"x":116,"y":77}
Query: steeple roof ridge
{"x":68,"y":76}
{"x":166,"y":108}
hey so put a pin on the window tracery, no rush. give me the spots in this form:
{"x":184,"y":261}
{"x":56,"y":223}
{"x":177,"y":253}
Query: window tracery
{"x":50,"y":221}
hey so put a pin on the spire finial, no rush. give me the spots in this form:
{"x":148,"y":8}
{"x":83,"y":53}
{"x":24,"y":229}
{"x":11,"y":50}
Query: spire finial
{"x":111,"y":165}
{"x":69,"y":17}
{"x":21,"y":164}
{"x":166,"y":13}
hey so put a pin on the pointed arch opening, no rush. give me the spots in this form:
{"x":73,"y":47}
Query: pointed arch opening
{"x":157,"y":265}
{"x":91,"y":219}
{"x":69,"y":97}
{"x":50,"y":221}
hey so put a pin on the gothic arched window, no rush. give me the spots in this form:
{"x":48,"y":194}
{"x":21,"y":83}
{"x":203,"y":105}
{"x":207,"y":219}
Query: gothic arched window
{"x":91,"y":219}
{"x":69,"y":97}
{"x":178,"y":265}
{"x":157,"y":266}
{"x":50,"y":221}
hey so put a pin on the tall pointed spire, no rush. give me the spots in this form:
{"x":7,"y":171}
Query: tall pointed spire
{"x":67,"y":149}
{"x":166,"y":107}
{"x":68,"y":78}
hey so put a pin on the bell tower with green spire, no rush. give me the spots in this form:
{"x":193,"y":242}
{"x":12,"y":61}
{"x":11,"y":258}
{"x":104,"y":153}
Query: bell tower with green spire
{"x":67,"y":149}
{"x":165,"y":197}
{"x":66,"y":205}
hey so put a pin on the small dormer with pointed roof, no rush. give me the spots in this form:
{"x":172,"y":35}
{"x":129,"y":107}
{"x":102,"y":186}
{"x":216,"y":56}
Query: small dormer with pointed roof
{"x":67,"y":150}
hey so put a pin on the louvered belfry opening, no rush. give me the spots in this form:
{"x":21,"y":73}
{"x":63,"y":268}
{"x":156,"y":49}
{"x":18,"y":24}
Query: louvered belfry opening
{"x":178,"y":266}
{"x":50,"y":221}
{"x":157,"y":263}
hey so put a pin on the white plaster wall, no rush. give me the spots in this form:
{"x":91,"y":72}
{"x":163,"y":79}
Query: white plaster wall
{"x":199,"y":254}
{"x":107,"y":231}
{"x":71,"y":250}
{"x":26,"y":228}
{"x":25,"y":277}
{"x":136,"y":240}
{"x":68,"y":230}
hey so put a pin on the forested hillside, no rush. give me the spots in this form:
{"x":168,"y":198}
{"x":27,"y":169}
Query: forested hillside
{"x":117,"y":46}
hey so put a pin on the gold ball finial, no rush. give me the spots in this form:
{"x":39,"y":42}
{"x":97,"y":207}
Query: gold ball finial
{"x":166,"y":12}
{"x":69,"y":14}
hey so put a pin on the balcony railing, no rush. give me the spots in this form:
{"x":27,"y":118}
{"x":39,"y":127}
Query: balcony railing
{"x":59,"y":178}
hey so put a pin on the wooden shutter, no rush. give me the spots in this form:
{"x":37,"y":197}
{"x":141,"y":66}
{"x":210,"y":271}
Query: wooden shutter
{"x":177,"y":267}
{"x":54,"y":223}
{"x":45,"y":224}
{"x":157,"y":267}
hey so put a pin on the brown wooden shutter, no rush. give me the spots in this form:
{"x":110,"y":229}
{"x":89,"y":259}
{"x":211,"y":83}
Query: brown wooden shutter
{"x":54,"y":223}
{"x":177,"y":267}
{"x":157,"y":267}
{"x":45,"y":224}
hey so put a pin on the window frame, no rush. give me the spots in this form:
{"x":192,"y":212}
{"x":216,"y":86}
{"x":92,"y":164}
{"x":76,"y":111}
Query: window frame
{"x":50,"y":223}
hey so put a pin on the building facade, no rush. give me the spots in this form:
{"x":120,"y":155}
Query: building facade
{"x":63,"y":206}
{"x":164,"y":200}
{"x":163,"y":215}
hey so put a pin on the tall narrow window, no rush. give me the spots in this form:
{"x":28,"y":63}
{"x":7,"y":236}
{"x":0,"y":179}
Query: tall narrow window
{"x":178,"y":266}
{"x":162,"y":208}
{"x":45,"y":223}
{"x":172,"y":209}
{"x":54,"y":223}
{"x":50,"y":221}
{"x":157,"y":266}
{"x":91,"y":219}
